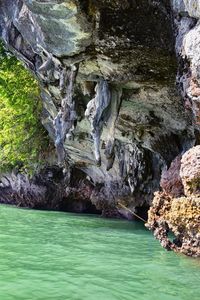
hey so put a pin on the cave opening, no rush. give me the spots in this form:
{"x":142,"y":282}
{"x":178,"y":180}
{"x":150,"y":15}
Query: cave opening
{"x":74,"y":205}
{"x":142,"y":212}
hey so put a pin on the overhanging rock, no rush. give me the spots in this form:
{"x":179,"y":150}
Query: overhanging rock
{"x":81,"y":51}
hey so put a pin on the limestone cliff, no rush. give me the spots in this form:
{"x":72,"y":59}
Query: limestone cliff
{"x":114,"y":103}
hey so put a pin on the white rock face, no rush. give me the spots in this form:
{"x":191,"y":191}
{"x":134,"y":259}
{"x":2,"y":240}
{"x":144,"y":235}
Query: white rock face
{"x":193,"y":7}
{"x":188,"y":49}
{"x":191,"y":48}
{"x":191,"y":51}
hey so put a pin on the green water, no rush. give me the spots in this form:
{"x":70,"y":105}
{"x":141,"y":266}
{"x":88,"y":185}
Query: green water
{"x":52,"y":255}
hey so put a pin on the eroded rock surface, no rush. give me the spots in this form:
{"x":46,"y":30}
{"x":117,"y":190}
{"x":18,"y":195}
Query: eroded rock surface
{"x":48,"y":189}
{"x":188,"y":51}
{"x":180,"y":216}
{"x":179,"y":213}
{"x":190,"y":171}
{"x":171,"y":182}
{"x":107,"y":74}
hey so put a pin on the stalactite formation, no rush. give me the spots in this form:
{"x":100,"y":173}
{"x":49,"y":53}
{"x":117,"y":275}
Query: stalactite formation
{"x":64,"y":122}
{"x":96,"y":112}
{"x":116,"y":94}
{"x":128,"y":73}
{"x":123,"y":56}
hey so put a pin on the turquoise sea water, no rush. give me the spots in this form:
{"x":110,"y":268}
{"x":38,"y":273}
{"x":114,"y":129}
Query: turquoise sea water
{"x":60,"y":256}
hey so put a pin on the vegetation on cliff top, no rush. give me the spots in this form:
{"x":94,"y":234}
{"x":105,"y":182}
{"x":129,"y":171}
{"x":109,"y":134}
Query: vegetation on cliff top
{"x":23,"y":140}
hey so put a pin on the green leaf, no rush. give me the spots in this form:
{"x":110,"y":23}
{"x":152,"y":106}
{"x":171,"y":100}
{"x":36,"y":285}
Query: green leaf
{"x":23,"y":140}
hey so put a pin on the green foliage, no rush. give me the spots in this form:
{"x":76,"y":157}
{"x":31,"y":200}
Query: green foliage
{"x":22,"y":137}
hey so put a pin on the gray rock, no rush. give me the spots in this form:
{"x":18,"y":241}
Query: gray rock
{"x":129,"y":46}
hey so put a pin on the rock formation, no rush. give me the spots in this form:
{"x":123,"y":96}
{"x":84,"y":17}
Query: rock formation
{"x":49,"y":189}
{"x":178,"y":210}
{"x":107,"y":71}
{"x":190,"y":172}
